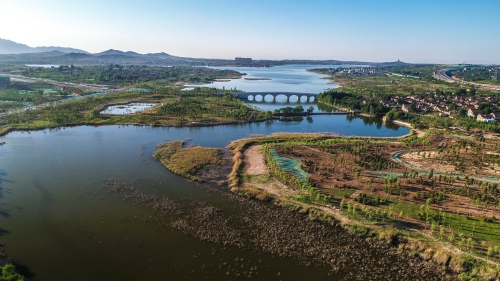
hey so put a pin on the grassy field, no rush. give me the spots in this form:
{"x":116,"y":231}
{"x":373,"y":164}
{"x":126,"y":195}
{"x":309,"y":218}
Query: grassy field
{"x":187,"y":161}
{"x":339,"y":192}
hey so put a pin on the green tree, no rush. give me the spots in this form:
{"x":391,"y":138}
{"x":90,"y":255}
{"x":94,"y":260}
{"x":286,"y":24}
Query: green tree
{"x":299,"y":109}
{"x":9,"y":273}
{"x":451,"y":238}
{"x":490,"y":252}
{"x":462,"y":112}
{"x":392,"y":113}
{"x":433,"y":227}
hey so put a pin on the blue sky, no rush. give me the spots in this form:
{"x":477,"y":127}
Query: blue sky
{"x":445,"y":31}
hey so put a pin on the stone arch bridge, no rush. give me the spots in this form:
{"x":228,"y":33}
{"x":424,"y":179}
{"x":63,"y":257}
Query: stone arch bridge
{"x":288,"y":95}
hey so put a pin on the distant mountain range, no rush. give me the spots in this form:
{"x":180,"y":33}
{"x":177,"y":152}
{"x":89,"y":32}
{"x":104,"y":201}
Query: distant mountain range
{"x":16,"y":53}
{"x":11,"y":47}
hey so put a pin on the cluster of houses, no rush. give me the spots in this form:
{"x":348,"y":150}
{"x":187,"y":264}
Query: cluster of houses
{"x":443,"y":105}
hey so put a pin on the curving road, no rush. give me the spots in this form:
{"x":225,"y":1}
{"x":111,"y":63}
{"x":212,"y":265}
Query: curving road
{"x":441,"y":75}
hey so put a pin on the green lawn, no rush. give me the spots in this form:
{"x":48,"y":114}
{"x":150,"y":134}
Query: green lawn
{"x":339,"y":192}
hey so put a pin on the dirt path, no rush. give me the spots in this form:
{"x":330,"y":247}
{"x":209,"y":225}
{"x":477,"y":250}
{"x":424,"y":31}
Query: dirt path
{"x":254,"y":161}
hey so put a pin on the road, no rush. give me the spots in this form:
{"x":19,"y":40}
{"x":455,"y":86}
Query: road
{"x":441,"y":75}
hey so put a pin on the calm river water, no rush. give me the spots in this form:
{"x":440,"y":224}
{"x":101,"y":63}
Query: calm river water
{"x":57,"y":221}
{"x":283,"y":78}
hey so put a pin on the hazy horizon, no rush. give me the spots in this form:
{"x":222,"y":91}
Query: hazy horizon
{"x":374,"y":31}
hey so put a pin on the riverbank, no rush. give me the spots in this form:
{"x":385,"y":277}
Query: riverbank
{"x":420,"y":133}
{"x":48,"y":125}
{"x":413,"y":130}
{"x":7,"y":269}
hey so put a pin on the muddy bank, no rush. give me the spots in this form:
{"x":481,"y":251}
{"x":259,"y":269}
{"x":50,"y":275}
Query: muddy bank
{"x":267,"y":228}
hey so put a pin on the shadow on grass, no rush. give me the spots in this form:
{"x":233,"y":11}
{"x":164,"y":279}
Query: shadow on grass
{"x":406,"y":225}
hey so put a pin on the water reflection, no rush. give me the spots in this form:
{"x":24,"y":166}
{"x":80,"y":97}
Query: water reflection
{"x":283,"y":78}
{"x":291,"y":119}
{"x":378,"y":122}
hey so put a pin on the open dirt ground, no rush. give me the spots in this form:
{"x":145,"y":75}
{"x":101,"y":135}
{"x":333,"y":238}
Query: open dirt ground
{"x":254,"y":161}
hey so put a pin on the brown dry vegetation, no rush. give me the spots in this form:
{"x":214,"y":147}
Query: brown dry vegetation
{"x":190,"y":162}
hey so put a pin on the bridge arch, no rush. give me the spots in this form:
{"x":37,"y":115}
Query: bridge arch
{"x":294,"y":97}
{"x":256,"y":96}
{"x":280,"y":96}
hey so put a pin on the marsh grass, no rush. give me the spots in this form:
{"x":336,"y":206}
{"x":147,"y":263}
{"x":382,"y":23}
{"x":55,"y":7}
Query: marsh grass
{"x":186,"y":161}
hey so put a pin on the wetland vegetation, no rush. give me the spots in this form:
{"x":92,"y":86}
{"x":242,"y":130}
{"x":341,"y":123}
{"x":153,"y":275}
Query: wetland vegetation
{"x":200,"y":106}
{"x":195,"y":162}
{"x":434,"y":196}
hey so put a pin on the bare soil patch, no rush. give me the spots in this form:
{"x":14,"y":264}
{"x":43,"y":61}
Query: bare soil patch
{"x":254,"y":161}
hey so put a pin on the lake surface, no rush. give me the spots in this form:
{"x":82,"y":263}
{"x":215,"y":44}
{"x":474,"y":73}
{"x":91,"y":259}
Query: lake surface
{"x":284,"y":78}
{"x":58,"y":222}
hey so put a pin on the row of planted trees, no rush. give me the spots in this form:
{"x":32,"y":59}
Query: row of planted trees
{"x":375,"y":214}
{"x":436,"y":219}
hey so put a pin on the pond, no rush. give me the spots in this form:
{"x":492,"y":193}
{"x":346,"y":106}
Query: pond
{"x":125,"y":109}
